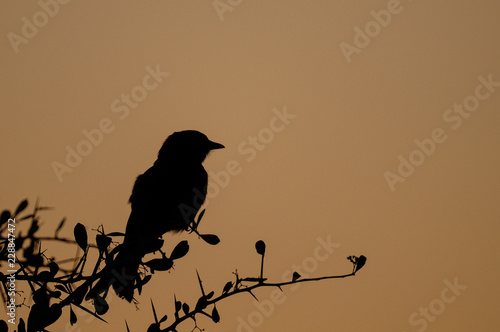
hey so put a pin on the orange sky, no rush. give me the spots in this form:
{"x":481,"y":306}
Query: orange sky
{"x":370,"y":126}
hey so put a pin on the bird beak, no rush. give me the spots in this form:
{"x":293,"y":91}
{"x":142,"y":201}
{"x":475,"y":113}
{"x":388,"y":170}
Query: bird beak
{"x":215,"y":146}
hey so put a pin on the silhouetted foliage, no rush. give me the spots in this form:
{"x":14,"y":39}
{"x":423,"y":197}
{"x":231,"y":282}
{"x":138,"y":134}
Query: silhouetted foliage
{"x":53,"y":287}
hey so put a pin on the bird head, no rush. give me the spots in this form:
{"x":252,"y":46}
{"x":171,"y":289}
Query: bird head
{"x":187,"y":146}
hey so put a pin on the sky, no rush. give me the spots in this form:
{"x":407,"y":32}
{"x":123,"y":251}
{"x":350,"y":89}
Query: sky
{"x":351,"y":128}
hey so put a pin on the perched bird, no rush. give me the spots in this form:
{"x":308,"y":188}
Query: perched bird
{"x":164,"y":199}
{"x":176,"y":183}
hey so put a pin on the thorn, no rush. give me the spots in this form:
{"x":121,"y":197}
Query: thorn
{"x":154,"y":311}
{"x":253,"y":295}
{"x":201,"y":286}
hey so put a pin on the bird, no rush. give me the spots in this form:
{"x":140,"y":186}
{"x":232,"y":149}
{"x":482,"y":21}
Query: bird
{"x":164,"y":199}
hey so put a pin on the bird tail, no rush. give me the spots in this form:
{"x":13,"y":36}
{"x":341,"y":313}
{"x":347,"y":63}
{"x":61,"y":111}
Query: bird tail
{"x":125,"y":273}
{"x":121,"y":273}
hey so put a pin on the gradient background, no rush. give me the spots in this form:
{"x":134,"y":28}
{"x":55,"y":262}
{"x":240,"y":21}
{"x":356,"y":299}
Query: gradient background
{"x":323,"y":175}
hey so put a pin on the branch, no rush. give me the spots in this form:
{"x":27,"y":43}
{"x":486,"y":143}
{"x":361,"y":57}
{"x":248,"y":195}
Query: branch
{"x":260,"y":283}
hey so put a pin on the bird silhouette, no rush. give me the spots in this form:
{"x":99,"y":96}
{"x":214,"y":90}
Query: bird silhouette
{"x":165,"y":198}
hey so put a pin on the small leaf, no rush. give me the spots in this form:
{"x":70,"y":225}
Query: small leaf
{"x":72,"y":316}
{"x":178,"y":304}
{"x":44,"y":276}
{"x":61,"y":287}
{"x":210,"y":238}
{"x":100,"y":305}
{"x":22,"y":326}
{"x":295,"y":276}
{"x":3,"y":326}
{"x":252,"y":279}
{"x":102,"y":242}
{"x":21,"y":207}
{"x":56,"y":294}
{"x":60,"y":226}
{"x":54,"y":268}
{"x":160,"y":264}
{"x":79,"y":293}
{"x":164,"y":318}
{"x":185,"y":308}
{"x":81,"y":236}
{"x":360,"y":263}
{"x":28,"y":216}
{"x":180,"y":250}
{"x":215,"y":315}
{"x":201,"y":304}
{"x":40,"y":296}
{"x":142,"y":282}
{"x":4,"y":217}
{"x":209,"y":295}
{"x":154,"y":328}
{"x":260,"y":246}
{"x":55,"y":311}
{"x":35,"y":260}
{"x":115,"y":234}
{"x":33,"y":228}
{"x":227,"y":287}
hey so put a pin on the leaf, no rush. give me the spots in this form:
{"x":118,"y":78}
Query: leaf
{"x":154,"y":328}
{"x":59,"y":227}
{"x":81,"y":236}
{"x":227,"y":287}
{"x":180,"y":250}
{"x":35,"y":260}
{"x":61,"y":287}
{"x":40,"y":296}
{"x":215,"y":315}
{"x":56,"y":294}
{"x":160,"y":264}
{"x":210,"y":238}
{"x":185,"y":308}
{"x":100,"y":305}
{"x":209,"y":295}
{"x":33,"y":228}
{"x":55,"y":311}
{"x":28,"y":216}
{"x":295,"y":276}
{"x":360,"y":263}
{"x":54,"y":268}
{"x":260,"y":246}
{"x":201,"y":304}
{"x":21,"y":207}
{"x":142,"y":282}
{"x":102,"y":242}
{"x":252,"y":279}
{"x":44,"y":276}
{"x":22,"y":326}
{"x":115,"y":234}
{"x":3,"y":326}
{"x":72,"y":316}
{"x":79,"y":293}
{"x":164,"y":318}
{"x":91,"y":313}
{"x":4,"y":216}
{"x":178,"y":305}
